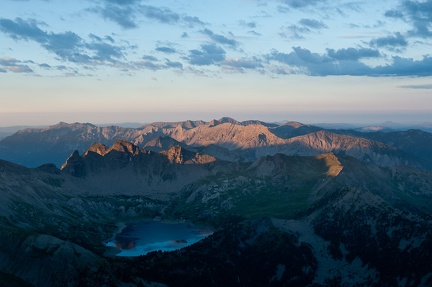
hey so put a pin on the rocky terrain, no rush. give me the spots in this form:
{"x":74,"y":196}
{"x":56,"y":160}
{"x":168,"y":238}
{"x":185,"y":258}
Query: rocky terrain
{"x":318,"y":209}
{"x":225,"y":139}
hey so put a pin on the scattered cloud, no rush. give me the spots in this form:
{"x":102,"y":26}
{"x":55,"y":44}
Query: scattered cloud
{"x":417,"y":13}
{"x":301,"y":3}
{"x":161,"y":14}
{"x":391,"y":42}
{"x":148,"y":65}
{"x":67,"y":45}
{"x":208,"y":55}
{"x":220,"y":39}
{"x":304,"y":26}
{"x":150,"y":58}
{"x":352,"y":54}
{"x":418,"y":87}
{"x":45,"y":66}
{"x":153,"y":64}
{"x":167,"y":50}
{"x":127,"y":14}
{"x":176,"y":65}
{"x":238,"y":65}
{"x":253,"y":33}
{"x":347,"y":62}
{"x":90,"y":51}
{"x":394,"y":14}
{"x":313,"y":24}
{"x":13,"y":65}
{"x":251,"y":24}
{"x":193,"y":21}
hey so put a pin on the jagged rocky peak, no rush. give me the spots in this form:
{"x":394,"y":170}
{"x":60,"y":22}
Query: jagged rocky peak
{"x":75,"y":165}
{"x":126,"y":147}
{"x":98,"y":148}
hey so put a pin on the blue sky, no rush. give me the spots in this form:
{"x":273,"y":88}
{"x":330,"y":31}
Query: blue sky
{"x":142,"y":61}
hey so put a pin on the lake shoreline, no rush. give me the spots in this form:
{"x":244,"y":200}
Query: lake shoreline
{"x":159,"y":236}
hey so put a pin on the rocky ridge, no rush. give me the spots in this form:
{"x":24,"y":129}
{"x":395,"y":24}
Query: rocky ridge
{"x":248,"y":140}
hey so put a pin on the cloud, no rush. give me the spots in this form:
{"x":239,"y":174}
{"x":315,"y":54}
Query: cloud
{"x":253,"y":33}
{"x":346,"y":62}
{"x":150,"y":58}
{"x":418,"y":14}
{"x":148,"y":65}
{"x":167,"y":50}
{"x":67,"y":45}
{"x":251,"y":24}
{"x":13,"y":65}
{"x":22,"y":30}
{"x":419,"y":87}
{"x":208,"y":55}
{"x":394,"y":14}
{"x":352,"y":54}
{"x":305,"y":26}
{"x":219,"y":38}
{"x":239,"y":65}
{"x":123,"y":16}
{"x":176,"y":65}
{"x":390,"y":41}
{"x":152,"y":63}
{"x":162,"y":14}
{"x":406,"y":67}
{"x":105,"y":51}
{"x":127,"y":13}
{"x":192,"y":21}
{"x":301,"y":3}
{"x":123,"y":2}
{"x":45,"y":66}
{"x":313,"y":24}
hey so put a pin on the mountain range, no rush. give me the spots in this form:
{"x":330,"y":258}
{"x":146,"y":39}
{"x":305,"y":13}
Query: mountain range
{"x":291,"y":204}
{"x":225,"y":139}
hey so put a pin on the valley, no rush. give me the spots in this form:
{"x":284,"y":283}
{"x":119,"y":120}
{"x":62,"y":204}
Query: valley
{"x":290,"y":204}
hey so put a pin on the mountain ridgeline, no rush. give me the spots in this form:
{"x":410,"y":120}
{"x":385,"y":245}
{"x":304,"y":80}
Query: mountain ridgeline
{"x":291,"y":205}
{"x":225,"y":139}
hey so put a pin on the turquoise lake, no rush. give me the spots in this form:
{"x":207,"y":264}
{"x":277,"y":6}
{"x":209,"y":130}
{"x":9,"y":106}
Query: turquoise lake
{"x":140,"y":238}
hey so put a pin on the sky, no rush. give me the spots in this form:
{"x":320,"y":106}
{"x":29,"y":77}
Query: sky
{"x":112,"y":61}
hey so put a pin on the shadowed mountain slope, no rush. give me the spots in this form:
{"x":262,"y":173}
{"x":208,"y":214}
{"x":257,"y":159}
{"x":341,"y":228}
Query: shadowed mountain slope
{"x":334,"y":219}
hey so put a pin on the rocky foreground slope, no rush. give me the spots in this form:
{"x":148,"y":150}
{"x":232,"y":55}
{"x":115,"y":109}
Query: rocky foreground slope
{"x":280,"y":220}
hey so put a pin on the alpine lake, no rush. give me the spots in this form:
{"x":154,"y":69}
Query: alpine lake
{"x":140,"y":238}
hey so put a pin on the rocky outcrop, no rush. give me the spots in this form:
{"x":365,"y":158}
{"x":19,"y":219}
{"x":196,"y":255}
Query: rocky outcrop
{"x":179,"y":155}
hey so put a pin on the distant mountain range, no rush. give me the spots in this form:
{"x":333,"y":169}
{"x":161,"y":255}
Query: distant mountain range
{"x":292,"y":205}
{"x":225,"y":139}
